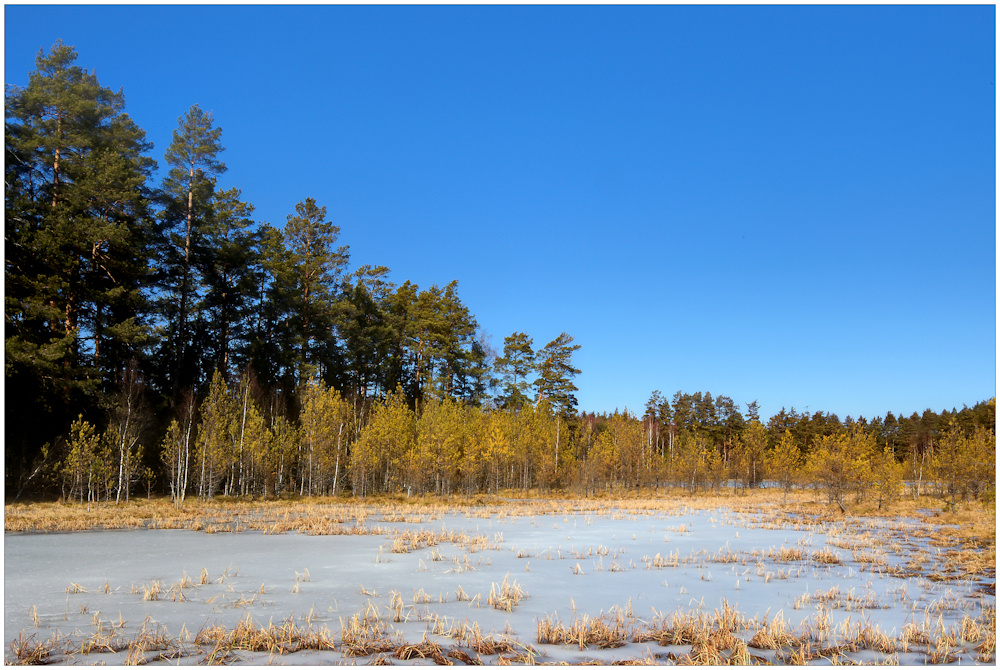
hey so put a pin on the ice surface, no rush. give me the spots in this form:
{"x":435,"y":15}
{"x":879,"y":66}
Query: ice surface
{"x":568,"y":565}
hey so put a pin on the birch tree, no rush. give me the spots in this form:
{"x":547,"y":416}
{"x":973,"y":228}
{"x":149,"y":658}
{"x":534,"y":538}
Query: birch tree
{"x":87,"y":464}
{"x":784,"y":462}
{"x":128,"y":419}
{"x":213,"y":442}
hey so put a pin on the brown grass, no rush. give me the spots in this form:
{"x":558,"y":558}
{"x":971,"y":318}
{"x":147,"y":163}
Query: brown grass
{"x":826,"y":556}
{"x":970,"y":527}
{"x":248,"y":636}
{"x":26,"y":650}
{"x":507,"y":595}
{"x":424,"y":649}
{"x":604,"y":632}
{"x":964,"y":541}
{"x":773,"y":634}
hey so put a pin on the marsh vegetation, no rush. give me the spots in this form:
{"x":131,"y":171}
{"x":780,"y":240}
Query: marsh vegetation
{"x":707,"y":580}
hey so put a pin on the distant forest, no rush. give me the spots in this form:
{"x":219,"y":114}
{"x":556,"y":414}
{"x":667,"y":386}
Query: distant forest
{"x":160,"y":340}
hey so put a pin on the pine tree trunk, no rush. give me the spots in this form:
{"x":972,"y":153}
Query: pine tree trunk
{"x":55,"y":165}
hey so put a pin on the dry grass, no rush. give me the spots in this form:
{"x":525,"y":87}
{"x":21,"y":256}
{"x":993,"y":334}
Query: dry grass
{"x":786,"y":554}
{"x":470,"y":635}
{"x":970,"y":528}
{"x":26,"y":650}
{"x":963,"y":541}
{"x":604,"y":632}
{"x":422,"y":650}
{"x":773,"y":634}
{"x":507,"y":595}
{"x":826,"y":556}
{"x":248,"y":636}
{"x":364,"y":634}
{"x":722,"y":637}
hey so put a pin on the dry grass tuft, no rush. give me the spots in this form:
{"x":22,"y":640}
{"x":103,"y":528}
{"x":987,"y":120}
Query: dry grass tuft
{"x":506,"y":595}
{"x":364,"y":634}
{"x":826,"y":556}
{"x":28,"y":651}
{"x":774,"y":634}
{"x":786,"y":554}
{"x":248,"y":636}
{"x":604,"y":632}
{"x":153,"y":591}
{"x":464,"y":657}
{"x":422,"y":650}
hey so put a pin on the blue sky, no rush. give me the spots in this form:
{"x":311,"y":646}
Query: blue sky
{"x":789,"y":204}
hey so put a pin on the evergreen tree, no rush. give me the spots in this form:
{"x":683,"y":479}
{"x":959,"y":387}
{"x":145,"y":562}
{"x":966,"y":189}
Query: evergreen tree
{"x":556,"y":373}
{"x":366,"y":330}
{"x":188,"y":189}
{"x":310,"y":280}
{"x":229,"y":264}
{"x":513,"y":368}
{"x":434,"y":347}
{"x":460,"y":363}
{"x":87,"y":464}
{"x":271,"y":345}
{"x":78,"y":229}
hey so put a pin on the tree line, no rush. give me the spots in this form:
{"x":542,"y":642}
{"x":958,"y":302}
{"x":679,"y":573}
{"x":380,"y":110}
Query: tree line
{"x":121,"y":288}
{"x":159,"y":338}
{"x":706,"y":441}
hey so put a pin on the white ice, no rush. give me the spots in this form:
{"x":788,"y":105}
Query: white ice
{"x":569,"y":565}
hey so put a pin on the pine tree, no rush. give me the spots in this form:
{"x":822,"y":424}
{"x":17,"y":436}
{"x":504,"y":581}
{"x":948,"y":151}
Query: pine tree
{"x":513,"y":368}
{"x":271,"y":345}
{"x":366,"y":330}
{"x":78,"y":233}
{"x":556,"y":373}
{"x":87,"y":463}
{"x":229,"y":264}
{"x":310,"y":281}
{"x":188,"y":191}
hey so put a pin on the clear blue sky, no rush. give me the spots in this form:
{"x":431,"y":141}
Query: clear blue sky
{"x":790,"y":204}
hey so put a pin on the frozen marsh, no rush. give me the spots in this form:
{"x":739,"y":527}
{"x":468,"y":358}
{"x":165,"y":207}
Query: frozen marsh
{"x":533,"y":584}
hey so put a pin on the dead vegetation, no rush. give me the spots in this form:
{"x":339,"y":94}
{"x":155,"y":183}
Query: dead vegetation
{"x":962,"y":548}
{"x":506,"y":595}
{"x":721,"y":637}
{"x":604,"y":632}
{"x":966,"y":534}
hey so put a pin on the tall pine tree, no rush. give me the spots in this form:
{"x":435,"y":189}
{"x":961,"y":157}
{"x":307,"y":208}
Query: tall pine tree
{"x":188,"y":191}
{"x":556,"y":373}
{"x":513,"y":368}
{"x":309,"y":282}
{"x":78,"y":228}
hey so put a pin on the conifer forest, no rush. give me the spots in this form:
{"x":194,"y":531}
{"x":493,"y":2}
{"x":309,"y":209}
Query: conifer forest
{"x":161,"y":341}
